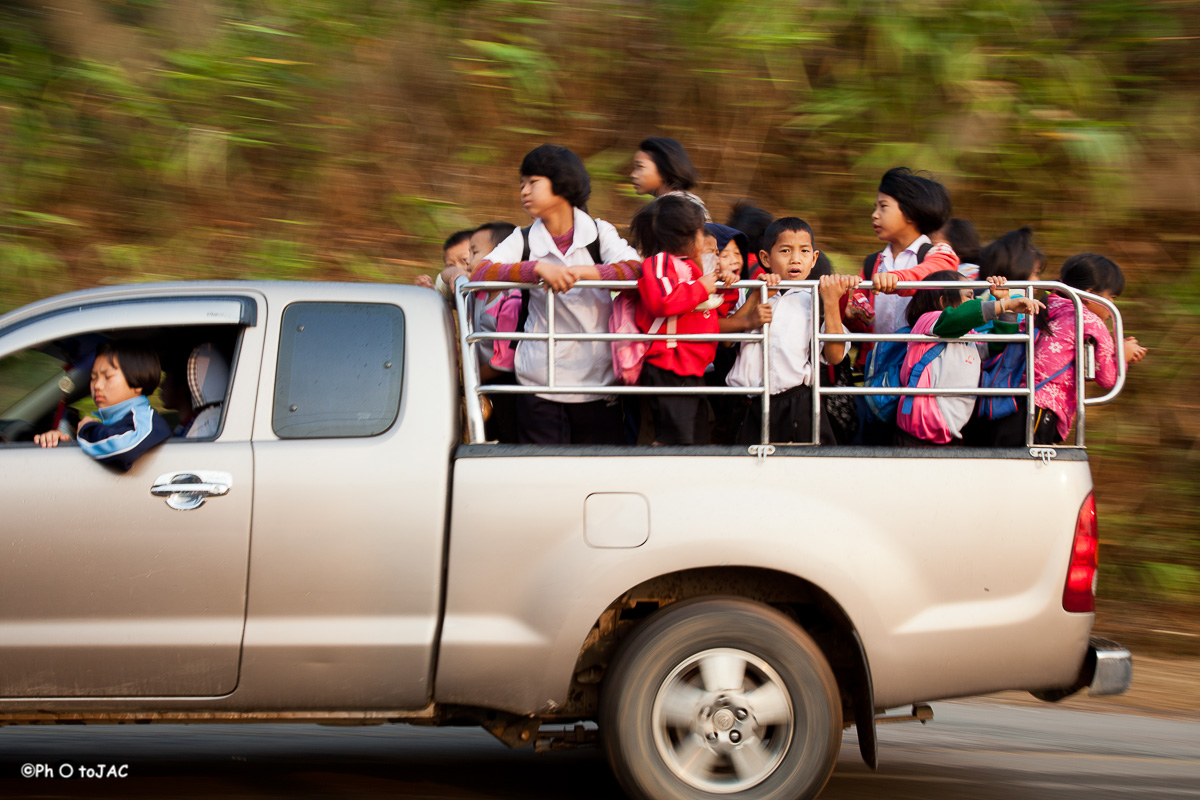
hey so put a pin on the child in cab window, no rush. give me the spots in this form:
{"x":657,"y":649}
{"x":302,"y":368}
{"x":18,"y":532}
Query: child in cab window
{"x":946,"y":313}
{"x":1054,"y":367}
{"x":789,"y":254}
{"x":557,"y":250}
{"x":125,"y":426}
{"x":673,"y":297}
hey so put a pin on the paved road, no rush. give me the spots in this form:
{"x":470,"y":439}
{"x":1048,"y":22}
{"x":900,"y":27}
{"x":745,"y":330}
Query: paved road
{"x":970,"y":750}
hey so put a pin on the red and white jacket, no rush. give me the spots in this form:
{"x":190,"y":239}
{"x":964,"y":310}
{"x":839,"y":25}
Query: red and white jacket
{"x":669,"y":290}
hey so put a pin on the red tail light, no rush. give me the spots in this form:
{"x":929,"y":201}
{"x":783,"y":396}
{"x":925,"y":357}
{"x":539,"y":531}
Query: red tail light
{"x":1080,"y":592}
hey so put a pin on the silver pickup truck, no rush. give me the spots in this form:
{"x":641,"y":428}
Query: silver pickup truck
{"x":337,"y":554}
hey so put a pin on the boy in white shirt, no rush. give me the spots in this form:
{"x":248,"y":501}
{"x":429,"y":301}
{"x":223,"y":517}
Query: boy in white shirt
{"x":789,"y":254}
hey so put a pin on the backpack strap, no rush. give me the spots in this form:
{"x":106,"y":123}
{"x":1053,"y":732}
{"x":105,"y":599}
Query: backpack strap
{"x":1041,"y":383}
{"x":870,"y":261}
{"x":593,"y":249}
{"x":869,"y":265}
{"x":918,"y":369}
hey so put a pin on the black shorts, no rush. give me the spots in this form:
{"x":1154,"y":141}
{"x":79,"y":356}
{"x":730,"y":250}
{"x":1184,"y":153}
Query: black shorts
{"x":501,"y":426}
{"x":542,"y":421}
{"x":791,"y":419}
{"x":1010,"y":431}
{"x":678,"y":418}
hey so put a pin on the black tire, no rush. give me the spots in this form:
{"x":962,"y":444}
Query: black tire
{"x":674,"y":685}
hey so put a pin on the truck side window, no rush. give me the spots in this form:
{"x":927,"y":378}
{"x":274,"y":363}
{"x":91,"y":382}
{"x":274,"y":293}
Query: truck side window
{"x":341,"y":366}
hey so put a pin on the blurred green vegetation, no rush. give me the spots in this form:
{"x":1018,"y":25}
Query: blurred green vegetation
{"x":343,"y":139}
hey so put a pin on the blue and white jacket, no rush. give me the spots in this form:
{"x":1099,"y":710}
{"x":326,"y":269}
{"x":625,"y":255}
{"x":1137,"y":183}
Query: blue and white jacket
{"x":124,"y":432}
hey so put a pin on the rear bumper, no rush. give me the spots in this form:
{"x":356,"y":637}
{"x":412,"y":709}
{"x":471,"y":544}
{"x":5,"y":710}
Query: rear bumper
{"x":1111,"y":667}
{"x":1107,"y":669}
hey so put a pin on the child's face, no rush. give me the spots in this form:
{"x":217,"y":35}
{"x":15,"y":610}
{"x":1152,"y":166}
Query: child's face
{"x":481,"y":245}
{"x":792,"y":257}
{"x":645,"y":177}
{"x":458,"y":256}
{"x":1097,"y":309}
{"x":710,"y":245}
{"x":731,"y":257}
{"x":699,"y":246}
{"x":889,"y":221}
{"x":108,"y":383}
{"x":538,"y":197}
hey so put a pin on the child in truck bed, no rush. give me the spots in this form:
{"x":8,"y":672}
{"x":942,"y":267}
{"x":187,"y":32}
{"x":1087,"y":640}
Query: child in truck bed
{"x":1055,"y":347}
{"x":946,"y":313}
{"x":672,"y":294}
{"x":558,"y":250}
{"x":789,"y":253}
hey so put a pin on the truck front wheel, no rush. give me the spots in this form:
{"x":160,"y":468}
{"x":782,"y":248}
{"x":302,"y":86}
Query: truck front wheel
{"x":720,"y":697}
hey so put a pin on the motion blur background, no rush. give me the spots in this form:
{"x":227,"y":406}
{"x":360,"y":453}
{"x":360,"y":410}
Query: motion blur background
{"x":344,"y":139}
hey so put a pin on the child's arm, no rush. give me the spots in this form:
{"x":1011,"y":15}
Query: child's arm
{"x":964,"y":318}
{"x":832,"y":288}
{"x":622,"y":262}
{"x":940,"y":256}
{"x":753,"y":314}
{"x":661,"y":296}
{"x":1106,"y":351}
{"x":125,"y":440}
{"x":501,"y":265}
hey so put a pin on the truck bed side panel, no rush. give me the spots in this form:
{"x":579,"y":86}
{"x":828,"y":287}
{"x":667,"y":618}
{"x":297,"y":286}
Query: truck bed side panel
{"x":950,"y":568}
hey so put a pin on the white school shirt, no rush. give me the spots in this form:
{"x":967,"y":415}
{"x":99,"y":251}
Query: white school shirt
{"x":791,"y":343}
{"x":576,"y":311}
{"x":890,"y":308}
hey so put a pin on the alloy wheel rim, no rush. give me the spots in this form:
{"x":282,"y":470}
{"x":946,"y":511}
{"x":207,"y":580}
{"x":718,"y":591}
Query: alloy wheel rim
{"x":723,"y":720}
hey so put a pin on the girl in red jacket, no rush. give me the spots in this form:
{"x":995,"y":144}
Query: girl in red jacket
{"x":671,"y":230}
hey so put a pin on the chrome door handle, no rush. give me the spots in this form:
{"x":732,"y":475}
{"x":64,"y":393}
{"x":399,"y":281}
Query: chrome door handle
{"x":187,"y":490}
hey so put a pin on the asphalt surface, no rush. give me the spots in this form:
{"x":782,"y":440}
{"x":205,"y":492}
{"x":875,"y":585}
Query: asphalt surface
{"x":970,"y":750}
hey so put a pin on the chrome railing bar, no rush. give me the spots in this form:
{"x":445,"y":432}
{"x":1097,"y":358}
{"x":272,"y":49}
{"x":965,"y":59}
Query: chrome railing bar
{"x":1030,"y":381}
{"x":550,"y":315}
{"x":765,"y":437}
{"x":470,"y":364}
{"x":472,"y":387}
{"x":1118,"y":343}
{"x":814,"y":364}
{"x":612,"y":389}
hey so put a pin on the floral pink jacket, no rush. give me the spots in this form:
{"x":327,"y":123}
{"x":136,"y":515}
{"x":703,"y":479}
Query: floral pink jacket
{"x":1056,"y":350}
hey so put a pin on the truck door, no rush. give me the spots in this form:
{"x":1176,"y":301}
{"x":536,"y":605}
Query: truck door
{"x":112,"y":584}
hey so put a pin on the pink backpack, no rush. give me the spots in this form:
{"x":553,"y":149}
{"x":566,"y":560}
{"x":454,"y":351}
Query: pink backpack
{"x":628,"y":357}
{"x":508,"y":320}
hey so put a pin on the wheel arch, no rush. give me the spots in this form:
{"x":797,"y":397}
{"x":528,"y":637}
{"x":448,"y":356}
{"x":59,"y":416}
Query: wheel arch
{"x":810,"y":606}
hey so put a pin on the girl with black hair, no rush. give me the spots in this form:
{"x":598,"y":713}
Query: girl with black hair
{"x":1054,"y":351}
{"x":661,"y":166}
{"x":557,"y":249}
{"x":671,"y":294}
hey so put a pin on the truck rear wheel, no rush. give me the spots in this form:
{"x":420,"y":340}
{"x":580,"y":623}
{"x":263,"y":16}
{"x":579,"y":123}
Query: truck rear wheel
{"x":720,"y":697}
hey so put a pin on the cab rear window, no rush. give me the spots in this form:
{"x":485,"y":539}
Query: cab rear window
{"x":340,"y":370}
